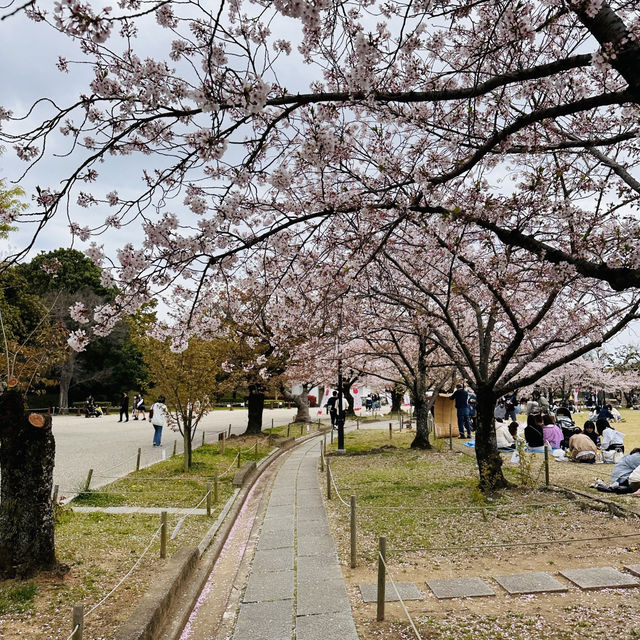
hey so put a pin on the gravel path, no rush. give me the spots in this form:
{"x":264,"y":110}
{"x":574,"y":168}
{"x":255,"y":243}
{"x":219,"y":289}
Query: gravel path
{"x":110,"y":448}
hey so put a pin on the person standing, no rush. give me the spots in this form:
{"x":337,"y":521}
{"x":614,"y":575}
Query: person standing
{"x":332,"y":408}
{"x":158,"y":416}
{"x":461,"y":398}
{"x":124,"y":407}
{"x":140,"y":408}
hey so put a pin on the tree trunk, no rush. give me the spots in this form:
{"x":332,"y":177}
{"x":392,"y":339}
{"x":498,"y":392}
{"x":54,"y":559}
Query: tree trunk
{"x":396,"y":400}
{"x":66,"y":375}
{"x":421,"y":441}
{"x":301,"y":401}
{"x":255,"y":405}
{"x":487,"y":456}
{"x":346,"y":393}
{"x":26,"y":510}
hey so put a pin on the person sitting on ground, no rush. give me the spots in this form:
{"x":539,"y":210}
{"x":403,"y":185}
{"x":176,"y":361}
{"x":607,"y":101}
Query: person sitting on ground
{"x":513,"y":431}
{"x":605,"y":413}
{"x":589,"y":429}
{"x":582,"y":448}
{"x":611,"y":439}
{"x":551,"y":432}
{"x":533,"y":433}
{"x":617,"y":416}
{"x":504,"y":439}
{"x":620,"y":474}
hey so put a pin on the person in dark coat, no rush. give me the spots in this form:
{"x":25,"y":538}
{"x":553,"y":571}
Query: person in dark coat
{"x":461,"y":398}
{"x":124,"y":407}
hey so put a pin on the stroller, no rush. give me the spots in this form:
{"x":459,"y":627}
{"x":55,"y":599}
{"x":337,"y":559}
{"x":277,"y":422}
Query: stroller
{"x":566,"y":423}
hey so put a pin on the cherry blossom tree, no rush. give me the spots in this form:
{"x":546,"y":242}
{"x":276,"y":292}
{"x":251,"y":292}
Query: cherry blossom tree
{"x":411,"y":109}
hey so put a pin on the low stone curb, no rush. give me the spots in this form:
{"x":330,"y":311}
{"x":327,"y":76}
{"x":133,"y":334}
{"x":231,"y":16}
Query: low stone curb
{"x":149,"y":619}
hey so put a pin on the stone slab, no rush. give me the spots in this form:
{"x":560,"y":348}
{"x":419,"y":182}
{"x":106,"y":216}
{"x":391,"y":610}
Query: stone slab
{"x":272,"y":560}
{"x":600,"y":578}
{"x":265,"y":587}
{"x":531,"y":582}
{"x":280,"y":512}
{"x":633,"y":568}
{"x":407,"y":590}
{"x":265,"y":621}
{"x":318,"y":568}
{"x":313,"y":545}
{"x":326,"y":626}
{"x":276,"y":539}
{"x":460,"y":588}
{"x":313,"y":527}
{"x":327,"y":596}
{"x":275,"y":524}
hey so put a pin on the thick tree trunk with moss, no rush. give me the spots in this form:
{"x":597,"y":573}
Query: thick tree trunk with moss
{"x":487,"y":456}
{"x":255,"y":406}
{"x":26,"y":510}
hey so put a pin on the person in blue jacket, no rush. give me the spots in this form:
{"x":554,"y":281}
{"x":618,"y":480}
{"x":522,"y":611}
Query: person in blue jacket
{"x":461,"y":398}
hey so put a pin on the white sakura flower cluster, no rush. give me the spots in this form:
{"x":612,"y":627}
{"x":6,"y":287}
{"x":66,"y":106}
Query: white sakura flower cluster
{"x":282,"y":45}
{"x":78,"y":19}
{"x":590,"y":7}
{"x":132,"y":261}
{"x":95,"y":253}
{"x":256,"y":95}
{"x":165,"y":17}
{"x":207,"y":145}
{"x":318,"y":147}
{"x":83,"y":233}
{"x":280,"y":179}
{"x":79,"y":312}
{"x":261,"y":359}
{"x":106,"y":317}
{"x":197,"y":204}
{"x":227,"y":367}
{"x":112,"y":198}
{"x":85,"y":199}
{"x":78,"y":340}
{"x":51,"y":267}
{"x":263,"y":373}
{"x":26,"y":153}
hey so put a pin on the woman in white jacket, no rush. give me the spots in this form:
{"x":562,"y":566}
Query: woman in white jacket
{"x":158,"y":420}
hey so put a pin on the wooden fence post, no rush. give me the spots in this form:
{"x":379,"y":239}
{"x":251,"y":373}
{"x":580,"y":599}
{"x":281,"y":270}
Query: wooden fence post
{"x":208,"y":499}
{"x":138,"y":459}
{"x":88,"y":482}
{"x":163,"y":535}
{"x":353,"y":532}
{"x":382,"y":553}
{"x":77,"y":622}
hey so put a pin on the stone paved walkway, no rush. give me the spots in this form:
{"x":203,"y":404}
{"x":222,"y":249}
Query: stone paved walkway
{"x":296,"y":584}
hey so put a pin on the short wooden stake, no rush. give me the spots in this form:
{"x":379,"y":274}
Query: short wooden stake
{"x":163,"y":534}
{"x":203,"y":438}
{"x":450,"y":437}
{"x":390,"y":431}
{"x":331,"y":435}
{"x":229,"y":430}
{"x":353,"y":532}
{"x":239,"y":456}
{"x":288,"y":429}
{"x":382,"y":554}
{"x":546,"y":465}
{"x":321,"y":458}
{"x":208,"y":499}
{"x":77,"y":621}
{"x":54,"y":500}
{"x":175,"y":447}
{"x":328,"y":481}
{"x":357,"y":424}
{"x":222,"y":446}
{"x":215,"y":488}
{"x":88,"y":482}
{"x":400,"y":422}
{"x":138,"y":459}
{"x":301,"y":428}
{"x":255,"y":449}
